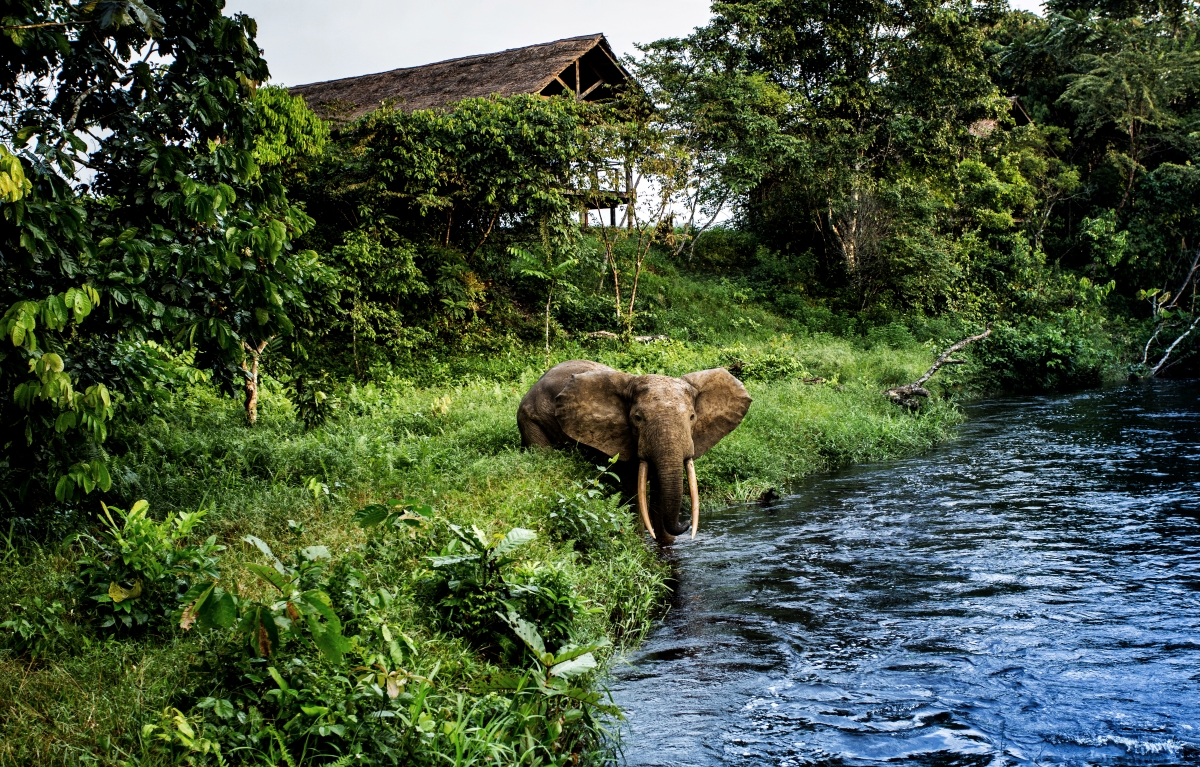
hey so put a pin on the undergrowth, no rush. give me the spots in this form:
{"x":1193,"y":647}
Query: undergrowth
{"x":382,"y":571}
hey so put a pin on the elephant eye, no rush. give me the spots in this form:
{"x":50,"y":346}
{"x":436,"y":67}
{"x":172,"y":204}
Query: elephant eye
{"x":692,"y":416}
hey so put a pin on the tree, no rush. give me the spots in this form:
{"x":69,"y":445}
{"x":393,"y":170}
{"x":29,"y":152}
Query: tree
{"x":817,"y":113}
{"x":1137,"y":88}
{"x":135,"y":124}
{"x":418,"y":210}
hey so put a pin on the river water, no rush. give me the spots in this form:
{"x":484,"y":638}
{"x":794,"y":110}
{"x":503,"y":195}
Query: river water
{"x":1026,"y":594}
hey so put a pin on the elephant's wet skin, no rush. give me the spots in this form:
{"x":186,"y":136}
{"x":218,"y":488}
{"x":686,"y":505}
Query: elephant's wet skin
{"x":657,"y":425}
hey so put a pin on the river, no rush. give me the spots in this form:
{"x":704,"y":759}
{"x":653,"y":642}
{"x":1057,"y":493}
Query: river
{"x":1028,"y":593}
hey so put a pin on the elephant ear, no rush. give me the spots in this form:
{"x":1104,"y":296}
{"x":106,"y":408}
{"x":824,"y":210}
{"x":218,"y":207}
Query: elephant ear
{"x":721,"y":404}
{"x":593,"y":409}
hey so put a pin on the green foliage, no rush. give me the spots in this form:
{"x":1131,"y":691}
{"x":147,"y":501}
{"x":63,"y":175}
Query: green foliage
{"x":36,"y":628}
{"x":177,"y":739}
{"x":163,"y":211}
{"x":137,"y":571}
{"x":588,"y":514}
{"x":288,"y":130}
{"x":1065,"y":352}
{"x":476,"y":584}
{"x":433,"y":198}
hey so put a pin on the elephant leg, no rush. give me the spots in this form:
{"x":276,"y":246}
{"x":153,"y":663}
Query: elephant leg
{"x":626,"y":472}
{"x":532,"y":434}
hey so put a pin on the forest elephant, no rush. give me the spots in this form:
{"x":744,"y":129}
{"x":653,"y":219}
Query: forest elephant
{"x":657,"y":424}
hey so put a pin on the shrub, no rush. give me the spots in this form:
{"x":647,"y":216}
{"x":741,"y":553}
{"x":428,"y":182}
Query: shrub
{"x":759,"y":365}
{"x":893,"y":335}
{"x":588,"y":514}
{"x":35,"y":627}
{"x":1065,"y":351}
{"x":138,"y":570}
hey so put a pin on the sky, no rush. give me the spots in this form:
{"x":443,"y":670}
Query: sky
{"x":312,"y":40}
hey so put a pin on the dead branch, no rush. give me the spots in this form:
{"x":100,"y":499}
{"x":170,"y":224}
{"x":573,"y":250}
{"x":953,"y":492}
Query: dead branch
{"x":906,"y":396}
{"x":1162,"y":324}
{"x":1183,"y":288}
{"x":1146,"y":351}
{"x":1163,"y":362}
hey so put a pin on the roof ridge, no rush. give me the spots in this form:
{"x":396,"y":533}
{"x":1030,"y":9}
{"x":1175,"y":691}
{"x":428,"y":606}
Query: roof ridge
{"x":597,"y":37}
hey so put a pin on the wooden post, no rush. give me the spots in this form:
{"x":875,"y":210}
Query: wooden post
{"x":612,"y":216}
{"x":578,"y":95}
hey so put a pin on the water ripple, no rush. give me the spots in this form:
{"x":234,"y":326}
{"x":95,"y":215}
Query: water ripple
{"x":1029,"y":594}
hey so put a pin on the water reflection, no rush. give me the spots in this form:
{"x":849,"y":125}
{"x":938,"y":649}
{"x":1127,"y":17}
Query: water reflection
{"x":1027,"y":594}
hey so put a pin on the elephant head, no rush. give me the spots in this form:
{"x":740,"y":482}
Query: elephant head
{"x":661,"y":422}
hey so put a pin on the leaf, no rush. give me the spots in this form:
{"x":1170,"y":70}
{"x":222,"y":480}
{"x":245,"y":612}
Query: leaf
{"x":567,"y":652}
{"x":103,"y":479}
{"x":372,"y":515}
{"x":264,"y":634}
{"x":394,"y":685}
{"x":516,"y":538}
{"x":454,"y":559}
{"x":261,"y":545}
{"x":65,"y":489}
{"x":278,"y":679}
{"x":574,"y":667}
{"x":281,"y":582}
{"x":188,"y":619}
{"x":218,"y":611}
{"x":525,"y":631}
{"x":330,"y":642}
{"x":313,"y":553}
{"x":119,"y":593}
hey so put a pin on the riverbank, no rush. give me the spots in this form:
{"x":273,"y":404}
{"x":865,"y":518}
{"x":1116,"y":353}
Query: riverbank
{"x":420,"y":674}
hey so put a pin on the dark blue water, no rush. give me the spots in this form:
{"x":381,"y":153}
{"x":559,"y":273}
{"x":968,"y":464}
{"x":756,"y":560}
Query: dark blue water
{"x":1027,"y":594}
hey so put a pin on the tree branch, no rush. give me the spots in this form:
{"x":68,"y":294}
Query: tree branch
{"x":1162,"y":362}
{"x":906,"y":396}
{"x":1186,"y":280}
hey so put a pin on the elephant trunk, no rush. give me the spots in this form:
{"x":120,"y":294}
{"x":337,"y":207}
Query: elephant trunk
{"x":670,"y":494}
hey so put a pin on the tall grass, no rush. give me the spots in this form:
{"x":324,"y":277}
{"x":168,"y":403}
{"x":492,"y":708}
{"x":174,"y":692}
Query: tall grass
{"x":444,"y":434}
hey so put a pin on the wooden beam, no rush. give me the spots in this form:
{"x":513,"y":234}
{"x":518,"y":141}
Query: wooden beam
{"x":595,"y":85}
{"x":608,"y":56}
{"x":578,"y":95}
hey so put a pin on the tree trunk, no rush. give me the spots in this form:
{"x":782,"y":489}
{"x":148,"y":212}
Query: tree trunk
{"x":549,"y":298}
{"x":250,"y":371}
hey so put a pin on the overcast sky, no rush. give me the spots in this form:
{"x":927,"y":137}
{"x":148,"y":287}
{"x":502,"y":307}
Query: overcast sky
{"x":311,"y":40}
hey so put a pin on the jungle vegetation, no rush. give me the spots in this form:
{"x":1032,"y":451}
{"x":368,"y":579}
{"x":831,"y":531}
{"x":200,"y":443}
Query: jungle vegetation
{"x":261,"y":494}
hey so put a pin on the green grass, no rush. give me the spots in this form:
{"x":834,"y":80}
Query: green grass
{"x":450,"y":441}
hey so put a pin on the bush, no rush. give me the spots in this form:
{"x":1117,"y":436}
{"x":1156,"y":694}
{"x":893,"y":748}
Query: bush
{"x":893,"y":335}
{"x":588,"y":514}
{"x":1064,"y":352}
{"x":35,"y":628}
{"x":477,"y":583}
{"x":138,"y":570}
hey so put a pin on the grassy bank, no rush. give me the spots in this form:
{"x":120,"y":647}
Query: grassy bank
{"x":429,"y":673}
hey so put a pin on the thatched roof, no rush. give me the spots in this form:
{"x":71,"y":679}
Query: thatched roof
{"x":585,"y":65}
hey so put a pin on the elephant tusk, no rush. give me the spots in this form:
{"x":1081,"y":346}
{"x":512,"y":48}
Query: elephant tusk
{"x":694,"y":491}
{"x":643,"y":506}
